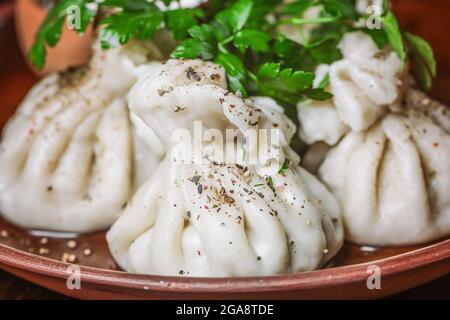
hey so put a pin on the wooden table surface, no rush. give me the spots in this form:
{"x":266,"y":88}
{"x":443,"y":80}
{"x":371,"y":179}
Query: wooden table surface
{"x":430,"y":19}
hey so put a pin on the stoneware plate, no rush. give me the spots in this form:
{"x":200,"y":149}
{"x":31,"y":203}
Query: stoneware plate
{"x":50,"y":259}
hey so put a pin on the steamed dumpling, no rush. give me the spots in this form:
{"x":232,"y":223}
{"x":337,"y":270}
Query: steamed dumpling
{"x":364,"y":84}
{"x":320,"y":120}
{"x":214,"y":218}
{"x":67,"y":155}
{"x":393,"y":179}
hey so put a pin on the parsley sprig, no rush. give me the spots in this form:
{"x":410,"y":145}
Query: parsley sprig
{"x":243,"y":37}
{"x":256,"y":57}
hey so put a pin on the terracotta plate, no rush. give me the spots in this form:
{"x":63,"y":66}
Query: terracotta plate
{"x":38,"y":256}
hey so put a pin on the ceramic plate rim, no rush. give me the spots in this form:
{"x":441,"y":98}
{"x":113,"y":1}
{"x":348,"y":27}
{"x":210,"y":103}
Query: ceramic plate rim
{"x":334,"y":276}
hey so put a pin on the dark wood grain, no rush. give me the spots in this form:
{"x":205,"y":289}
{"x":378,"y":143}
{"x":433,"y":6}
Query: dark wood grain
{"x":430,"y":19}
{"x":438,"y":289}
{"x":12,"y":288}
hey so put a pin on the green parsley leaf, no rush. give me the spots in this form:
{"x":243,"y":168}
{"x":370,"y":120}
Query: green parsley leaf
{"x":324,"y":82}
{"x":242,"y":36}
{"x":181,"y":20}
{"x":393,"y":33}
{"x":235,"y":69}
{"x":378,"y":36}
{"x":270,"y":70}
{"x":423,"y":58}
{"x":297,"y":7}
{"x":130,"y":5}
{"x":269,"y":182}
{"x":284,"y":167}
{"x":54,"y":32}
{"x":203,"y":44}
{"x":284,"y":84}
{"x":257,"y":40}
{"x":237,"y":15}
{"x":287,"y":52}
{"x":385,"y":6}
{"x":326,"y":52}
{"x":204,"y":32}
{"x":340,"y":8}
{"x":221,"y":31}
{"x":124,"y":26}
{"x":194,"y":48}
{"x":258,"y":16}
{"x":38,"y":54}
{"x":318,"y":94}
{"x":50,"y":31}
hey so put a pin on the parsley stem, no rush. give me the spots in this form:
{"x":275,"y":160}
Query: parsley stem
{"x":228,"y":40}
{"x":252,"y":76}
{"x":300,"y":21}
{"x":222,"y":47}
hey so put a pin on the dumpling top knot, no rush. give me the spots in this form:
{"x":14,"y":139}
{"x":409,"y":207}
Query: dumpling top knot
{"x":359,"y":49}
{"x":185,"y":91}
{"x":366,"y":83}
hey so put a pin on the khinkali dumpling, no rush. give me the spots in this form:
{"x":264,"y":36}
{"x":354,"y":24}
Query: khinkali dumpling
{"x":365,"y":84}
{"x":67,"y":155}
{"x":214,"y":218}
{"x":393,"y":179}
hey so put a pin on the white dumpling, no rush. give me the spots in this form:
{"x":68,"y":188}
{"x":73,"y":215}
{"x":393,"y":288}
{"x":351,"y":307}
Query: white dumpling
{"x":365,"y":84}
{"x":320,"y":120}
{"x":67,"y":155}
{"x":216,"y":219}
{"x":393,"y":180}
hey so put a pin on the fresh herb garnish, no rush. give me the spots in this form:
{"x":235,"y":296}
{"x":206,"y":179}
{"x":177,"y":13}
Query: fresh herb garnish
{"x":244,"y":37}
{"x":50,"y":30}
{"x":393,"y":34}
{"x":284,"y":167}
{"x":423,"y":59}
{"x":269,"y":182}
{"x":121,"y":28}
